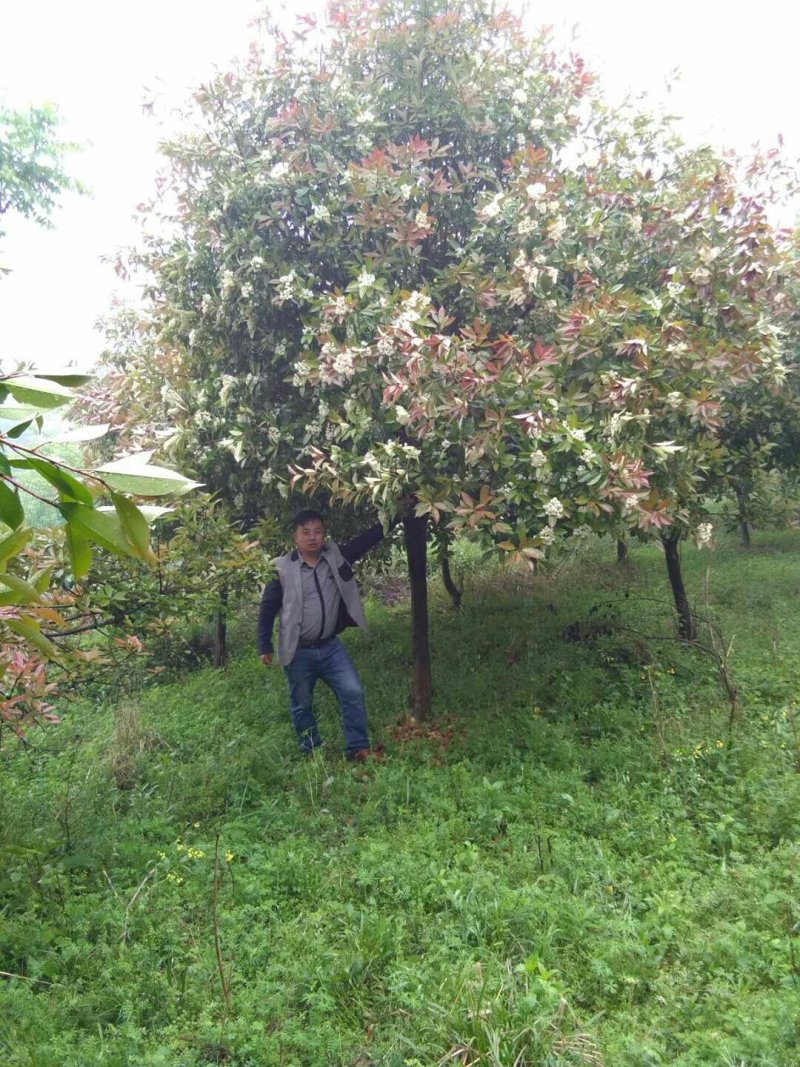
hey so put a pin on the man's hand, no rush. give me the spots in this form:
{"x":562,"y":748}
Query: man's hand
{"x":266,"y":659}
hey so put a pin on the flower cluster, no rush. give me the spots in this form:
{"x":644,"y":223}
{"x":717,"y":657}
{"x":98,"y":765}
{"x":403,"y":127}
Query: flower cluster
{"x":554,"y":510}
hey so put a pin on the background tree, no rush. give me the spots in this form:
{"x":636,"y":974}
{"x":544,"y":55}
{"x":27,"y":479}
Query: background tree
{"x":32,"y":172}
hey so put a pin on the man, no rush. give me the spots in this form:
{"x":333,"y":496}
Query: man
{"x":315,"y":597}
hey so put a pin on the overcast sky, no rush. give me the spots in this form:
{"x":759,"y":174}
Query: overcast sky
{"x":97,"y":60}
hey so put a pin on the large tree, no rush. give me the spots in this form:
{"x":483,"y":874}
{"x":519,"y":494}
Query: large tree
{"x":420,"y":255}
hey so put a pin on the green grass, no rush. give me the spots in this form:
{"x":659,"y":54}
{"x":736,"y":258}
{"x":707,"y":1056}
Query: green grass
{"x":580,"y":865}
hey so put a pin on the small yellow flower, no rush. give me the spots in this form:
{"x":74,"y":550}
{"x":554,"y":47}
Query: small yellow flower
{"x":229,"y":857}
{"x":196,"y":825}
{"x":162,"y":855}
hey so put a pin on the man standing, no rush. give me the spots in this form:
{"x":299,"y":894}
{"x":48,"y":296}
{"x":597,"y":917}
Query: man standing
{"x":315,"y":597}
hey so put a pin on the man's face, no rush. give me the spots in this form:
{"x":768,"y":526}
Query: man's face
{"x":310,"y":537}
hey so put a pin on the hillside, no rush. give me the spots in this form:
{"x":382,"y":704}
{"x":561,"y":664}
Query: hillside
{"x":582,"y":861}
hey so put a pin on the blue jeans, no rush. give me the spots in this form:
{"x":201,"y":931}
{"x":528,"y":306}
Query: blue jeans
{"x":330,"y":662}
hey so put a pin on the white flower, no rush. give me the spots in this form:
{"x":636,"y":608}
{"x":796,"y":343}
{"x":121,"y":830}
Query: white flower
{"x":344,"y":363}
{"x":526,"y":225}
{"x":708,"y":255}
{"x":536,"y":124}
{"x":207,"y":303}
{"x":493,"y":208}
{"x":519,"y":96}
{"x":547,"y":535}
{"x":284,"y":288}
{"x":402,"y":416}
{"x":405,"y":190}
{"x":554,"y":510}
{"x":538,"y":458}
{"x":557,"y":228}
{"x":247,"y":290}
{"x":365,"y":280}
{"x":531,"y":275}
{"x":422,"y":220}
{"x":536,"y":190}
{"x":320,"y":213}
{"x":274,"y":435}
{"x":192,"y":338}
{"x":257,"y":263}
{"x":635,"y":223}
{"x":302,"y":369}
{"x":521,"y":140}
{"x":364,"y":117}
{"x":227,"y":282}
{"x":279,"y":171}
{"x":385,"y":346}
{"x":701,"y":275}
{"x":704,"y":533}
{"x":582,"y":532}
{"x":578,"y":435}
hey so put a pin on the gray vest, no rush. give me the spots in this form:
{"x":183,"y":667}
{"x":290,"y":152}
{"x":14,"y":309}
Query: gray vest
{"x":289,"y":620}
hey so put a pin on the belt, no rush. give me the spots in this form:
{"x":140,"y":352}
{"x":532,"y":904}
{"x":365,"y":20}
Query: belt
{"x":317,"y":644}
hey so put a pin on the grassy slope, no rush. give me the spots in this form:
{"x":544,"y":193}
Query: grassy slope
{"x":577,"y":868}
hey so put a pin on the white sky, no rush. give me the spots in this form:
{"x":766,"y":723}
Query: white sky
{"x":95,"y":59}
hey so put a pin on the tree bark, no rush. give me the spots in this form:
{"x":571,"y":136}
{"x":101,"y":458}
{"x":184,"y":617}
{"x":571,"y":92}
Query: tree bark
{"x":454,"y":590}
{"x":416,"y":532}
{"x":622,"y":550}
{"x":744,"y":525}
{"x":687,"y":628}
{"x":221,"y":631}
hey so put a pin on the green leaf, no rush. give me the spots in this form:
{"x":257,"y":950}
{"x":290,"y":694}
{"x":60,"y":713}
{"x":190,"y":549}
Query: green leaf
{"x":137,"y":476}
{"x":41,"y":579}
{"x":30,"y":630}
{"x":38,"y":392}
{"x":79,"y":434}
{"x":103,"y":528}
{"x":11,"y":510}
{"x":18,"y":430}
{"x":24,"y":592}
{"x":134,"y":525}
{"x":13,"y":544}
{"x":22,"y":415}
{"x":65,"y":483}
{"x":80,"y":551}
{"x":70,"y":379}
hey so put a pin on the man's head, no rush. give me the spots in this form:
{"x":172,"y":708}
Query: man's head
{"x":308,"y":532}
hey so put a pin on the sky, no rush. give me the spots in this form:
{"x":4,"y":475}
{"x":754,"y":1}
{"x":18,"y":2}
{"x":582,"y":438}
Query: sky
{"x":99,"y":60}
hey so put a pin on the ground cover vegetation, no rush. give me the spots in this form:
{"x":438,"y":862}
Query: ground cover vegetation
{"x":585,"y":860}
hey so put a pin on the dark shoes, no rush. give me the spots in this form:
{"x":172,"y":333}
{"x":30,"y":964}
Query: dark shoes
{"x":361,"y":755}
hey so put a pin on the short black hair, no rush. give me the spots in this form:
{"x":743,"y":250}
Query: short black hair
{"x":305,"y":516}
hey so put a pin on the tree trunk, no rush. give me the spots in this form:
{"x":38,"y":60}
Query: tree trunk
{"x":454,"y":590}
{"x":744,"y":525}
{"x":220,"y":631}
{"x":416,"y":531}
{"x":622,"y":550}
{"x":687,"y":628}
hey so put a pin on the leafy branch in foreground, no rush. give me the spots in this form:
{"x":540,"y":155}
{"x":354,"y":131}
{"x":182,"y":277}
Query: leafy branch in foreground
{"x":95,"y":509}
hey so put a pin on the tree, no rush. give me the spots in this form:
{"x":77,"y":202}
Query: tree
{"x":32,"y":174}
{"x":426,"y":258}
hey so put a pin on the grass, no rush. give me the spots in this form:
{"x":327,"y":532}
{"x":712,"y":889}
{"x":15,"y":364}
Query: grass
{"x":577,"y":863}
